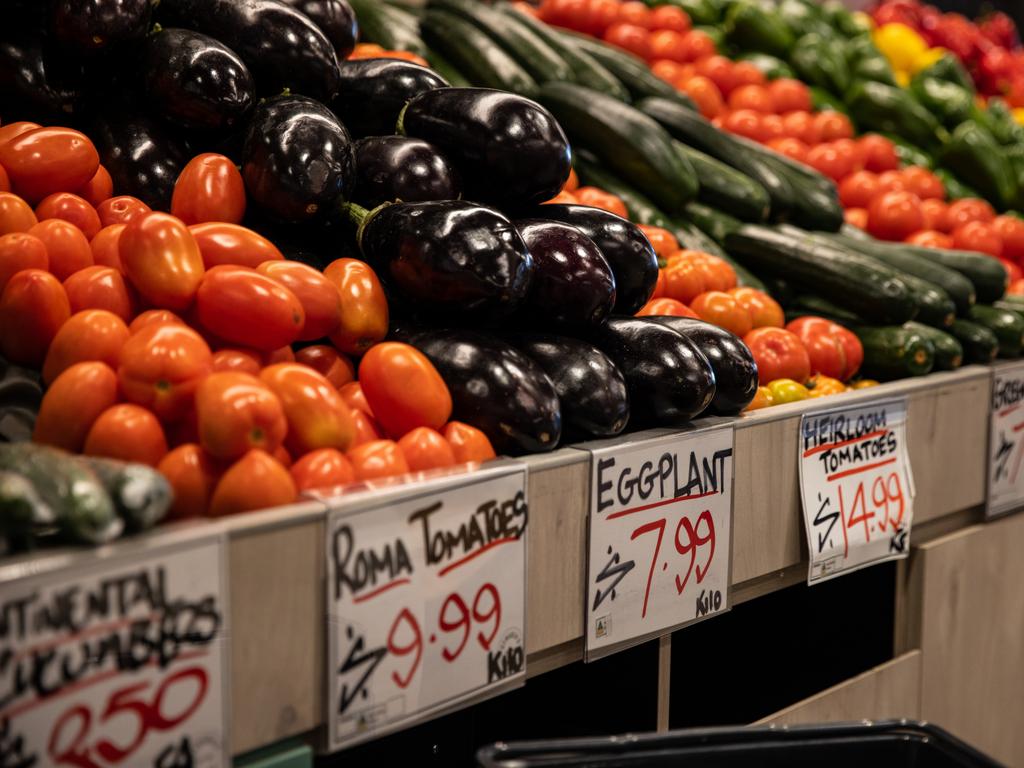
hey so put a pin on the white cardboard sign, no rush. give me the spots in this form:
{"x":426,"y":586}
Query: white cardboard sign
{"x":1006,"y":440}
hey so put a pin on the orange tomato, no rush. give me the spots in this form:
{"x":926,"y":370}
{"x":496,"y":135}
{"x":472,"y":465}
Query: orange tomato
{"x":5,"y":182}
{"x":1009,"y":228}
{"x":745,"y":73}
{"x":154,"y":317}
{"x":378,"y":458}
{"x":128,"y":433}
{"x":858,"y":189}
{"x":364,"y":308}
{"x":99,"y":188}
{"x":879,"y":153}
{"x":929,"y":238}
{"x":209,"y":188}
{"x":225,"y":243}
{"x":73,"y":402}
{"x":598,"y":198}
{"x":833,"y":125}
{"x":468,"y":443}
{"x":562,"y":198}
{"x":323,"y":468}
{"x":239,"y":360}
{"x":849,"y":150}
{"x":894,"y":215}
{"x":635,"y":12}
{"x":684,"y":280}
{"x":100,"y":288}
{"x":105,"y":247}
{"x":238,"y":412}
{"x":257,"y":480}
{"x":572,"y":183}
{"x":923,"y":183}
{"x":282,"y":455}
{"x":665,"y":306}
{"x":829,"y":161}
{"x":744,"y":122}
{"x":1016,"y":288}
{"x":18,"y":251}
{"x":328,"y":362}
{"x":317,"y":415}
{"x":719,"y":70}
{"x":33,"y":307}
{"x":193,"y":476}
{"x":663,"y":241}
{"x":718,"y":273}
{"x":789,"y":147}
{"x":799,"y":124}
{"x":856,"y":217}
{"x":755,"y":97}
{"x":161,"y":364}
{"x":403,"y":388}
{"x":772,"y":128}
{"x":319,"y":297}
{"x":425,"y":448}
{"x":15,"y":214}
{"x":243,"y":306}
{"x":365,"y":426}
{"x":659,"y":286}
{"x":704,"y":93}
{"x":630,"y":37}
{"x":762,"y":399}
{"x":667,"y":44}
{"x":11,"y":130}
{"x":280,"y":355}
{"x":789,"y":95}
{"x":698,"y":45}
{"x":352,"y":393}
{"x":93,"y":334}
{"x":161,"y":260}
{"x":724,"y":311}
{"x":763,"y":309}
{"x":47,"y":160}
{"x":669,"y":71}
{"x":70,"y":208}
{"x":121,"y":210}
{"x":66,"y":246}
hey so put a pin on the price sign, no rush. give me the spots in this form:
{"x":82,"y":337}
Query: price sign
{"x":425,"y":600}
{"x":659,"y":546}
{"x":116,"y":657}
{"x":1006,"y":438}
{"x":856,"y":487}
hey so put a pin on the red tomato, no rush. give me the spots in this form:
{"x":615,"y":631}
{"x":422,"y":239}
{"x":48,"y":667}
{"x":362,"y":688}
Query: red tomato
{"x":669,"y":71}
{"x":1016,"y":288}
{"x":832,"y":349}
{"x":724,"y":311}
{"x":670,"y":17}
{"x":849,"y":149}
{"x":224,"y":243}
{"x":600,"y":14}
{"x":238,"y":412}
{"x":154,"y":317}
{"x":11,"y":130}
{"x":468,"y":443}
{"x":779,"y":354}
{"x":352,"y":393}
{"x":833,"y":125}
{"x":33,"y":307}
{"x":403,"y":388}
{"x":193,"y":476}
{"x":663,"y":241}
{"x":967,"y":210}
{"x":698,"y":45}
{"x":630,"y":37}
{"x":598,"y":198}
{"x":100,"y":288}
{"x":719,"y":70}
{"x":856,"y":217}
{"x":257,"y":480}
{"x":790,"y":147}
{"x":929,"y":238}
{"x":745,"y":73}
{"x":209,"y":188}
{"x":335,"y":367}
{"x":73,"y":401}
{"x":1009,"y":228}
{"x":705,"y":95}
{"x":635,"y":12}
{"x":378,"y":458}
{"x":319,"y":297}
{"x":978,"y":236}
{"x":858,"y":189}
{"x":755,"y":97}
{"x":237,"y":361}
{"x":67,"y":248}
{"x":364,"y":307}
{"x":99,"y":188}
{"x":317,"y":415}
{"x":127,"y":432}
{"x":762,"y":308}
{"x":894,"y":215}
{"x":5,"y":183}
{"x":425,"y":448}
{"x":744,"y":122}
{"x":829,"y":161}
{"x":161,"y":364}
{"x":801,"y":125}
{"x":665,"y":306}
{"x":18,"y":251}
{"x":324,"y":468}
{"x":161,"y":260}
{"x":666,"y":44}
{"x":879,"y":153}
{"x":891,"y":181}
{"x":934,"y":212}
{"x":94,"y":334}
{"x":923,"y":183}
{"x":47,"y":160}
{"x":1013,"y":271}
{"x":105,"y":247}
{"x":789,"y":95}
{"x":772,"y":128}
{"x":367,"y":428}
{"x":71,"y":208}
{"x":121,"y":210}
{"x":225,"y":302}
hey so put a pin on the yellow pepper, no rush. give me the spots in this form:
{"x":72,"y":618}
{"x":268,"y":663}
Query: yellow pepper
{"x":902,"y":78}
{"x":762,"y":399}
{"x":926,"y":59}
{"x":863,"y":384}
{"x":821,"y":385}
{"x":900,"y":44}
{"x":1018,"y":115}
{"x":788,"y":391}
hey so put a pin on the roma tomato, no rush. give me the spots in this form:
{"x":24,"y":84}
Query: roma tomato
{"x":280,"y":355}
{"x":47,"y":160}
{"x":699,"y":44}
{"x":964,"y":211}
{"x":856,"y":217}
{"x":100,"y":288}
{"x":934,"y":214}
{"x":1009,"y":228}
{"x":755,"y":97}
{"x":779,"y":354}
{"x":154,"y":317}
{"x":800,"y":124}
{"x":238,"y":412}
{"x":209,"y":188}
{"x":366,"y":427}
{"x":1013,"y":271}
{"x":923,"y":183}
{"x":237,"y":360}
{"x":317,"y":415}
{"x":18,"y":251}
{"x":719,"y":70}
{"x":929,"y":238}
{"x":978,"y":236}
{"x":257,"y":480}
{"x":364,"y":308}
{"x":630,"y":37}
{"x":598,"y":198}
{"x":222,"y":243}
{"x":718,"y":273}
{"x":403,"y":388}
{"x":33,"y":307}
{"x":789,"y":95}
{"x":161,"y":365}
{"x":667,"y":307}
{"x":832,"y":349}
{"x":635,"y":12}
{"x":894,"y":215}
{"x":879,"y":153}
{"x":790,"y":147}
{"x":703,"y":92}
{"x":15,"y":214}
{"x":319,"y":297}
{"x":670,"y":17}
{"x":772,"y":128}
{"x":72,"y":403}
{"x":161,"y":260}
{"x":744,"y":122}
{"x":858,"y":189}
{"x":352,"y":393}
{"x":93,"y":334}
{"x":11,"y":130}
{"x":127,"y":432}
{"x":105,"y":247}
{"x":468,"y":443}
{"x":193,"y":476}
{"x":328,"y":362}
{"x":121,"y":210}
{"x":572,"y":183}
{"x":242,"y":306}
{"x":762,"y":308}
{"x":425,"y":448}
{"x":377,"y":459}
{"x":745,"y":73}
{"x":833,"y":125}
{"x":5,"y":183}
{"x":99,"y":188}
{"x":829,"y":161}
{"x":66,"y":246}
{"x":667,"y":44}
{"x":723,"y":310}
{"x":70,"y":208}
{"x":323,"y":468}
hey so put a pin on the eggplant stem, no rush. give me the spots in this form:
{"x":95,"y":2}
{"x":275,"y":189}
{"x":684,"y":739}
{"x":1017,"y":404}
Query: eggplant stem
{"x":400,"y":125}
{"x":356,"y":213}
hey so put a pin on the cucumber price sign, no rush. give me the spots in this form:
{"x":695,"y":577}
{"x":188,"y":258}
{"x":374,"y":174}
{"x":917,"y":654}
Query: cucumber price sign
{"x":856,"y":487}
{"x":117,"y":657}
{"x":426,"y":607}
{"x":1006,"y":440}
{"x":659,"y":536}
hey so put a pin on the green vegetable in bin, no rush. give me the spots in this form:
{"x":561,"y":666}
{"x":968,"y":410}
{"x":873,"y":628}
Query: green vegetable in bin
{"x":802,"y":18}
{"x":821,"y":62}
{"x":955,"y":189}
{"x":699,"y":11}
{"x":750,"y":27}
{"x":848,"y":24}
{"x":999,"y":121}
{"x":770,"y":66}
{"x":948,"y":101}
{"x":949,"y":68}
{"x":140,"y":494}
{"x":22,"y":512}
{"x":714,"y":32}
{"x":975,"y":156}
{"x":880,"y":107}
{"x":822,"y":100}
{"x":875,"y":68}
{"x":908,"y":153}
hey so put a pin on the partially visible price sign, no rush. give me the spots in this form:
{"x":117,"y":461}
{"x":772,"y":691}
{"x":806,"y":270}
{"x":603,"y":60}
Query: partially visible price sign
{"x":659,"y":542}
{"x":426,"y":605}
{"x":856,"y":487}
{"x":1006,"y":440}
{"x":116,"y":658}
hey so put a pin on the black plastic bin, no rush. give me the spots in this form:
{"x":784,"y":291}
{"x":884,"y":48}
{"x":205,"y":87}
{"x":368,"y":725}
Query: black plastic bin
{"x":882,"y":744}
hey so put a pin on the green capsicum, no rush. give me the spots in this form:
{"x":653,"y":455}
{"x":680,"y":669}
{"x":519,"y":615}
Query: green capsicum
{"x":955,"y":189}
{"x":949,"y":68}
{"x":974,"y":155}
{"x":848,"y":24}
{"x":770,"y":66}
{"x":822,"y":100}
{"x":875,"y":68}
{"x":999,"y":121}
{"x":948,"y":101}
{"x":749,"y":27}
{"x":819,"y":61}
{"x":909,"y":154}
{"x":883,"y":108}
{"x":802,"y":18}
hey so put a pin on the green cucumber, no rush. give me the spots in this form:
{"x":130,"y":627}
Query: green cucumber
{"x":822,"y":100}
{"x":1007,"y":325}
{"x":140,"y":494}
{"x":722,"y":186}
{"x":1012,"y":302}
{"x":714,"y":223}
{"x":479,"y":58}
{"x":625,"y":140}
{"x":908,"y":154}
{"x":949,"y":353}
{"x":809,"y":304}
{"x":23,"y":514}
{"x":955,"y":189}
{"x":392,"y":28}
{"x":979,"y":343}
{"x":894,"y":352}
{"x":447,"y":70}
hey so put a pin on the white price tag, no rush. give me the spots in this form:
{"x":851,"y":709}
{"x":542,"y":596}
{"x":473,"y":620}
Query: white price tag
{"x":856,"y":487}
{"x":117,"y":657}
{"x":659,"y":542}
{"x":426,"y":605}
{"x":1006,"y":438}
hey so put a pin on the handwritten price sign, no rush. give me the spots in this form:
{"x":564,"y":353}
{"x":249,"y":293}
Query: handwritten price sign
{"x":856,"y":487}
{"x":1006,"y":438}
{"x":116,"y":659}
{"x":425,"y":602}
{"x":659,"y":536}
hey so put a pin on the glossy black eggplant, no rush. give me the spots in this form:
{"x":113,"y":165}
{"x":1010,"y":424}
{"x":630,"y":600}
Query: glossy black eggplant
{"x":734,"y":366}
{"x":336,"y":20}
{"x":495,"y":388}
{"x":511,"y":150}
{"x":298,"y":161}
{"x":390,"y":168}
{"x":373,"y":92}
{"x":573,"y":284}
{"x":669,"y":379}
{"x":592,"y":391}
{"x":195,"y":81}
{"x":35,"y":82}
{"x":281,"y":46}
{"x":627,"y":251}
{"x":88,"y":26}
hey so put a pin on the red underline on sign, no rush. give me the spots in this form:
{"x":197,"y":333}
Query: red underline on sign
{"x":858,"y":470}
{"x":1018,"y":427}
{"x":1010,"y":409}
{"x":830,"y":446}
{"x":379,"y":590}
{"x":471,"y":555}
{"x":13,"y":712}
{"x":663,"y":502}
{"x":97,"y":629}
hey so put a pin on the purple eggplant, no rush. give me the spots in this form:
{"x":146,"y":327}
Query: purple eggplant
{"x":373,"y":92}
{"x":36,"y":82}
{"x":390,"y":168}
{"x":88,"y":26}
{"x":336,"y":20}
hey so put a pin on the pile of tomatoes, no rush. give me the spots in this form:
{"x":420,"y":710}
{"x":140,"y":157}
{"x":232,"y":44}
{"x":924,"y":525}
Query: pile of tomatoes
{"x":167,"y":338}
